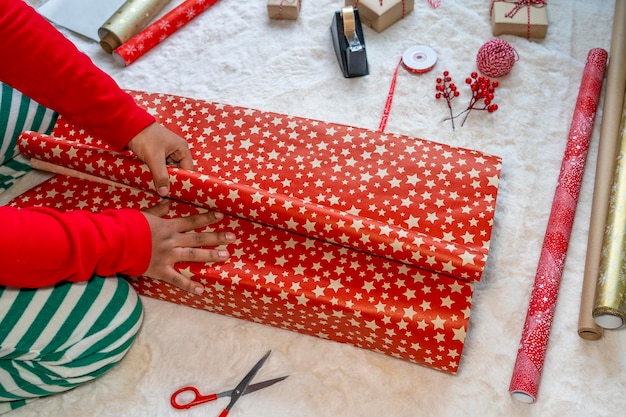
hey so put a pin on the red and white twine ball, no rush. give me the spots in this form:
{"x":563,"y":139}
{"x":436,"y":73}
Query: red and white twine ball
{"x":496,"y":58}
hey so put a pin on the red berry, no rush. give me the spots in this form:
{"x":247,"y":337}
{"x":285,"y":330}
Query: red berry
{"x":456,"y":93}
{"x":438,"y":80}
{"x":438,"y":96}
{"x":446,"y":73}
{"x":474,"y":75}
{"x":495,"y":84}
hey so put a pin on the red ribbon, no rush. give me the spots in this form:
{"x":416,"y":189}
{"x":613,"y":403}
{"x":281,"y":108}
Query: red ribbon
{"x":518,"y":5}
{"x":521,"y":3}
{"x":280,"y":9}
{"x":356,"y":2}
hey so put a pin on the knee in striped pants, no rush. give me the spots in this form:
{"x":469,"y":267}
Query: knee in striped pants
{"x":54,"y":339}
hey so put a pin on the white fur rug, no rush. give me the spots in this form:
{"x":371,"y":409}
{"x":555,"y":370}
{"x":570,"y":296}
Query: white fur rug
{"x":234,"y":54}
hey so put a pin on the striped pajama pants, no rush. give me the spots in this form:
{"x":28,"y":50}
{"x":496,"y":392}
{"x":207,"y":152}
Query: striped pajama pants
{"x":17,"y":114}
{"x":56,"y":338}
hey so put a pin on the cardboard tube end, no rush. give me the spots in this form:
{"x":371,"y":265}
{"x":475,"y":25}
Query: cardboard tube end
{"x":608,"y":321}
{"x":590,"y":334}
{"x":109,"y":42}
{"x":523,"y":397}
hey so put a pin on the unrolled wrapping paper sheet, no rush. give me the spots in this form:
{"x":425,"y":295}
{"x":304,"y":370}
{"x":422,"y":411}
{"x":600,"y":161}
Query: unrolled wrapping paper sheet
{"x":161,"y":29}
{"x":536,"y":332}
{"x":608,"y":149}
{"x":325,"y":190}
{"x":609,"y":309}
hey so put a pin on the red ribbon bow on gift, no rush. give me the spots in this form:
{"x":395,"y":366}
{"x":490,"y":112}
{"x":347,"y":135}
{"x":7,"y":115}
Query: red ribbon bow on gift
{"x":434,"y":3}
{"x":518,"y":5}
{"x":280,"y":8}
{"x":521,"y":3}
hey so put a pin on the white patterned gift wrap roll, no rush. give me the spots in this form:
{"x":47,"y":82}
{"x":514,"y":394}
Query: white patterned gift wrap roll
{"x":127,"y":21}
{"x":609,"y":309}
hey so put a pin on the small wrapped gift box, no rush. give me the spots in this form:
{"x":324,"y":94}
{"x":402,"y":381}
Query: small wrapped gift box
{"x":283,"y":9}
{"x":521,"y":18}
{"x":380,"y":14}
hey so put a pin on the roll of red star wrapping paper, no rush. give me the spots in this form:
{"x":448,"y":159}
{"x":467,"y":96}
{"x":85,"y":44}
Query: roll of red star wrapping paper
{"x":534,"y":341}
{"x":161,"y":29}
{"x":413,"y":201}
{"x":345,"y":233}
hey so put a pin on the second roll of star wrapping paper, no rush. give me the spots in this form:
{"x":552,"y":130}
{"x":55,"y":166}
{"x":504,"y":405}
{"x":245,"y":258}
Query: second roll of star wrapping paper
{"x":343,"y":233}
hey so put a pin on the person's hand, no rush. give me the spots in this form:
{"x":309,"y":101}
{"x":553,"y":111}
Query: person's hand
{"x":172,"y":244}
{"x":158,"y":147}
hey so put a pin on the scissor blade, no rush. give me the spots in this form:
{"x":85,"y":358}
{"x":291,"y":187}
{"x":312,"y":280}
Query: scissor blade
{"x":263,"y":384}
{"x":245,"y":382}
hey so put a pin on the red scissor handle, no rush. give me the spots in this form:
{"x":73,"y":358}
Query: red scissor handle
{"x":198,"y":398}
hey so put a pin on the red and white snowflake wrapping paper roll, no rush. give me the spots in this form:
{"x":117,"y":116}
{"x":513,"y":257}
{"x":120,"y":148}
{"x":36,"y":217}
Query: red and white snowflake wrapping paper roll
{"x":534,"y":342}
{"x":161,"y":29}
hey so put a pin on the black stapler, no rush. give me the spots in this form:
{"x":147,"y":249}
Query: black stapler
{"x":349,"y":42}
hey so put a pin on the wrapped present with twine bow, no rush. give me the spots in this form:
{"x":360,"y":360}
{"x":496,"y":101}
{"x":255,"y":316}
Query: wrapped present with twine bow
{"x":527,"y":18}
{"x":283,"y":9}
{"x":380,"y":14}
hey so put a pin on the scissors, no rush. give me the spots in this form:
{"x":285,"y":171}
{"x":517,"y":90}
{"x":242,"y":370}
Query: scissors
{"x":242,"y":388}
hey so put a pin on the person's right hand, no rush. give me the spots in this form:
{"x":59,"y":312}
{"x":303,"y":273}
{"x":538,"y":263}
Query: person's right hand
{"x":171,"y":243}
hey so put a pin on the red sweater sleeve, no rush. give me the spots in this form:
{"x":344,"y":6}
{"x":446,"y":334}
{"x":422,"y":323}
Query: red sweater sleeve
{"x":44,"y":65}
{"x":40,"y":246}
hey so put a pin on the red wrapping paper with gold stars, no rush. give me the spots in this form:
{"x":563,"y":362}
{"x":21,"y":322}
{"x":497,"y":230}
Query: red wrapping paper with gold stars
{"x":343,"y":233}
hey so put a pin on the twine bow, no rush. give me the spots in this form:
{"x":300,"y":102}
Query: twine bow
{"x":521,"y":3}
{"x":280,"y":7}
{"x":434,"y":3}
{"x":518,"y":5}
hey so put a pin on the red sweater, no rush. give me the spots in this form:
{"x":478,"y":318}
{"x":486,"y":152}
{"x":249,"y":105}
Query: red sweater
{"x":39,"y":246}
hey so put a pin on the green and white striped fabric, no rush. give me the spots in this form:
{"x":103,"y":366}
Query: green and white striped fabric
{"x":56,"y":338}
{"x":17,"y":114}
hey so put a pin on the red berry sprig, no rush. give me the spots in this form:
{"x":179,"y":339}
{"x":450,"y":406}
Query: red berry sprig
{"x":483,"y":93}
{"x":482,"y":89}
{"x":446,"y":89}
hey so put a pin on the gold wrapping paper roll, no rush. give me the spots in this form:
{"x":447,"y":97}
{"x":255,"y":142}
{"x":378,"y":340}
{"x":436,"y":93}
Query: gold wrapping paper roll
{"x":607,"y":154}
{"x":609,"y":310}
{"x":127,"y":21}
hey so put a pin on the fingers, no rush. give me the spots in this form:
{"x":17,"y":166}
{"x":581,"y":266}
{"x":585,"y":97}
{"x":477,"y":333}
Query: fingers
{"x":200,"y":255}
{"x":197,"y":221}
{"x":183,"y":282}
{"x":192,"y":255}
{"x":157,"y":146}
{"x":160,"y":177}
{"x":160,"y":209}
{"x":206,"y":239}
{"x":181,"y":158}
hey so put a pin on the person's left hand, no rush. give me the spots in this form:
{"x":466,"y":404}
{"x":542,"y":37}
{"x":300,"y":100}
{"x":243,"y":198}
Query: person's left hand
{"x":158,"y":147}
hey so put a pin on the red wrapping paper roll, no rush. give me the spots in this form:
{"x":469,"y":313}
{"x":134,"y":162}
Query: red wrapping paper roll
{"x":534,"y":342}
{"x":161,"y":29}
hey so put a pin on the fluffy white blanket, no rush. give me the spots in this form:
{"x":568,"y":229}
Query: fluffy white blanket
{"x":233,"y":53}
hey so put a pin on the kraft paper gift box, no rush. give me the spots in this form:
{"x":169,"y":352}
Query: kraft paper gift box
{"x":348,"y":234}
{"x":283,"y":9}
{"x":379,"y":15}
{"x":527,"y":21}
